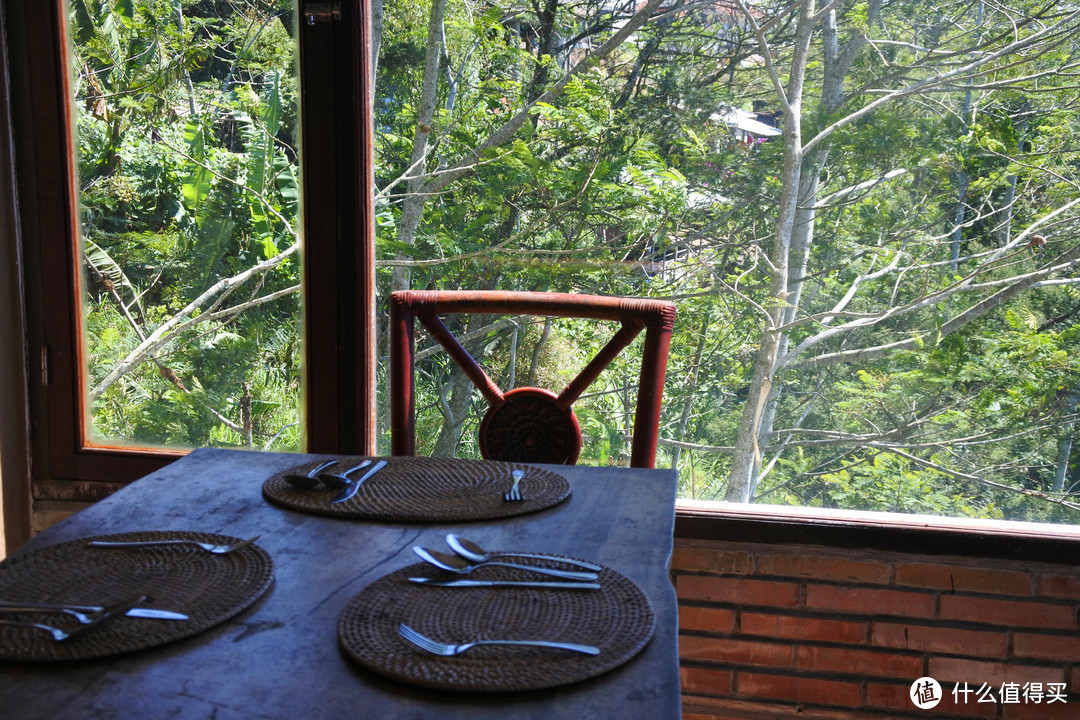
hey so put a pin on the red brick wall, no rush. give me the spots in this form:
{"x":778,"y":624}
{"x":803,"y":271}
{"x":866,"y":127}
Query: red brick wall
{"x":778,"y":631}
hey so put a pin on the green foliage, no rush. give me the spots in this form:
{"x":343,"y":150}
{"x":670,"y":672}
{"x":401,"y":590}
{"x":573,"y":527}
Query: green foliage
{"x":888,"y":483}
{"x":627,"y":183}
{"x":187,"y":177}
{"x":630,"y":181}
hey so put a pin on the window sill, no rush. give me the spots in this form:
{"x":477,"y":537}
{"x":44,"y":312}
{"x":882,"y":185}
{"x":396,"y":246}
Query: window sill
{"x":923,"y":534}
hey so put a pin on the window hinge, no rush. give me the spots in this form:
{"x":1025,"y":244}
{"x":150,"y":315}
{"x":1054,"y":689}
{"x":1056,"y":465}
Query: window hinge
{"x":44,"y":366}
{"x":319,"y":12}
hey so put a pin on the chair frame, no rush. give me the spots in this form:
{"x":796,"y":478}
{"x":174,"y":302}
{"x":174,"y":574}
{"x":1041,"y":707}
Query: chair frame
{"x":656,"y":317}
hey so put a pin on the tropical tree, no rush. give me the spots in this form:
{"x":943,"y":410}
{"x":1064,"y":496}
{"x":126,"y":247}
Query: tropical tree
{"x":189,"y":195}
{"x":889,"y":61}
{"x":863,"y":209}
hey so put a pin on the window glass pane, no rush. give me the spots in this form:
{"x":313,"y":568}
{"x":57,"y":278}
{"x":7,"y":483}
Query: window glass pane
{"x":877,"y":303}
{"x":187,"y":127}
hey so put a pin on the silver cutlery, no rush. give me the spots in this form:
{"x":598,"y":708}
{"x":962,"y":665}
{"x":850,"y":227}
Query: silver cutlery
{"x":514,"y":494}
{"x":568,"y":585}
{"x":100,"y":618}
{"x":460,"y":565}
{"x":339,"y":481}
{"x":471,"y":551}
{"x":85,"y":614}
{"x":217,"y":549}
{"x":355,"y":484}
{"x":58,"y":634}
{"x":310,"y":480}
{"x":437,"y":648}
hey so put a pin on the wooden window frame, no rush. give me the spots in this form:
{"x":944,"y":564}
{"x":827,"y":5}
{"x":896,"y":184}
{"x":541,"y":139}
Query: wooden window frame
{"x":338,"y":252}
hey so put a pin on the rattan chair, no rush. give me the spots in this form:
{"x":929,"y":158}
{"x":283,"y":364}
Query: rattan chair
{"x":529,"y":424}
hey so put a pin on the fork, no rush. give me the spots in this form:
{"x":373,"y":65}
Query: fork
{"x":438,"y":648}
{"x":99,"y":618}
{"x":82,"y":616}
{"x":217,"y":549}
{"x":58,"y":634}
{"x":514,"y":494}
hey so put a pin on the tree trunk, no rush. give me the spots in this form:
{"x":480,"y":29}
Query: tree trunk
{"x":802,"y":235}
{"x":376,"y":38}
{"x":534,"y":364}
{"x":412,"y":207}
{"x":455,"y":408}
{"x":643,"y":57}
{"x":546,"y":40}
{"x":688,"y":402}
{"x":746,"y":458}
{"x":1065,"y":446}
{"x":794,"y":236}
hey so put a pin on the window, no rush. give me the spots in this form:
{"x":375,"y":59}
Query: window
{"x":915,"y":352}
{"x":338,"y":322}
{"x":877,"y":327}
{"x":188,"y":155}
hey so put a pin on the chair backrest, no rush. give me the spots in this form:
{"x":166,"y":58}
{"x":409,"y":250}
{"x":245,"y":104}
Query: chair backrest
{"x":530,"y":424}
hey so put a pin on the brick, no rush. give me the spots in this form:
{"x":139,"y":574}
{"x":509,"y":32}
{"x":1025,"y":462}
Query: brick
{"x":852,"y":661}
{"x":1047,"y":647}
{"x":897,"y":697}
{"x":977,"y":672}
{"x":802,"y":628}
{"x":738,"y":591}
{"x":711,"y":560}
{"x":869,"y":601}
{"x":799,"y":689}
{"x":727,"y":708}
{"x":946,"y":640}
{"x":707,"y":619}
{"x":963,"y":578}
{"x":824,"y":568}
{"x":734,"y":651}
{"x":706,"y":681}
{"x":1007,"y":613}
{"x":1056,"y":710}
{"x":1057,"y":585}
{"x":1074,"y":680}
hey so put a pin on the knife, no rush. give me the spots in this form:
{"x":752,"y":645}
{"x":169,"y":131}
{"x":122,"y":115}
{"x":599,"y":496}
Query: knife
{"x":506,"y":583}
{"x":8,"y":606}
{"x":351,"y":490}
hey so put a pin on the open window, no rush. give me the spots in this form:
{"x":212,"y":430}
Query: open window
{"x":171,"y":181}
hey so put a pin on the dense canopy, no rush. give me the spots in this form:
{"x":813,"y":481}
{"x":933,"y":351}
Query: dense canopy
{"x":865,"y":210}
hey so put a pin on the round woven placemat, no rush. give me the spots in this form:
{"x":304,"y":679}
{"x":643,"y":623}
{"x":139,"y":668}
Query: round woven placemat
{"x":183,"y":578}
{"x":618,"y":619}
{"x":423,"y":489}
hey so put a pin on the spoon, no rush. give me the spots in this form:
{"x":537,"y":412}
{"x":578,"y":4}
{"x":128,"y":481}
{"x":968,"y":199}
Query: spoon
{"x":471,"y":551}
{"x":339,"y":481}
{"x":354,"y":485}
{"x":462,"y":566}
{"x":310,"y":480}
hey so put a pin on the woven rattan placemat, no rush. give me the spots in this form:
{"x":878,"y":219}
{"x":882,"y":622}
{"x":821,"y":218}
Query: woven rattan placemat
{"x":422,"y":489}
{"x":618,"y":619}
{"x":184,"y":578}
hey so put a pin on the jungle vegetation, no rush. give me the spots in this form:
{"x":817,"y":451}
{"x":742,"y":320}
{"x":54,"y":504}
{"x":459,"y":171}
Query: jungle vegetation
{"x":878,"y":304}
